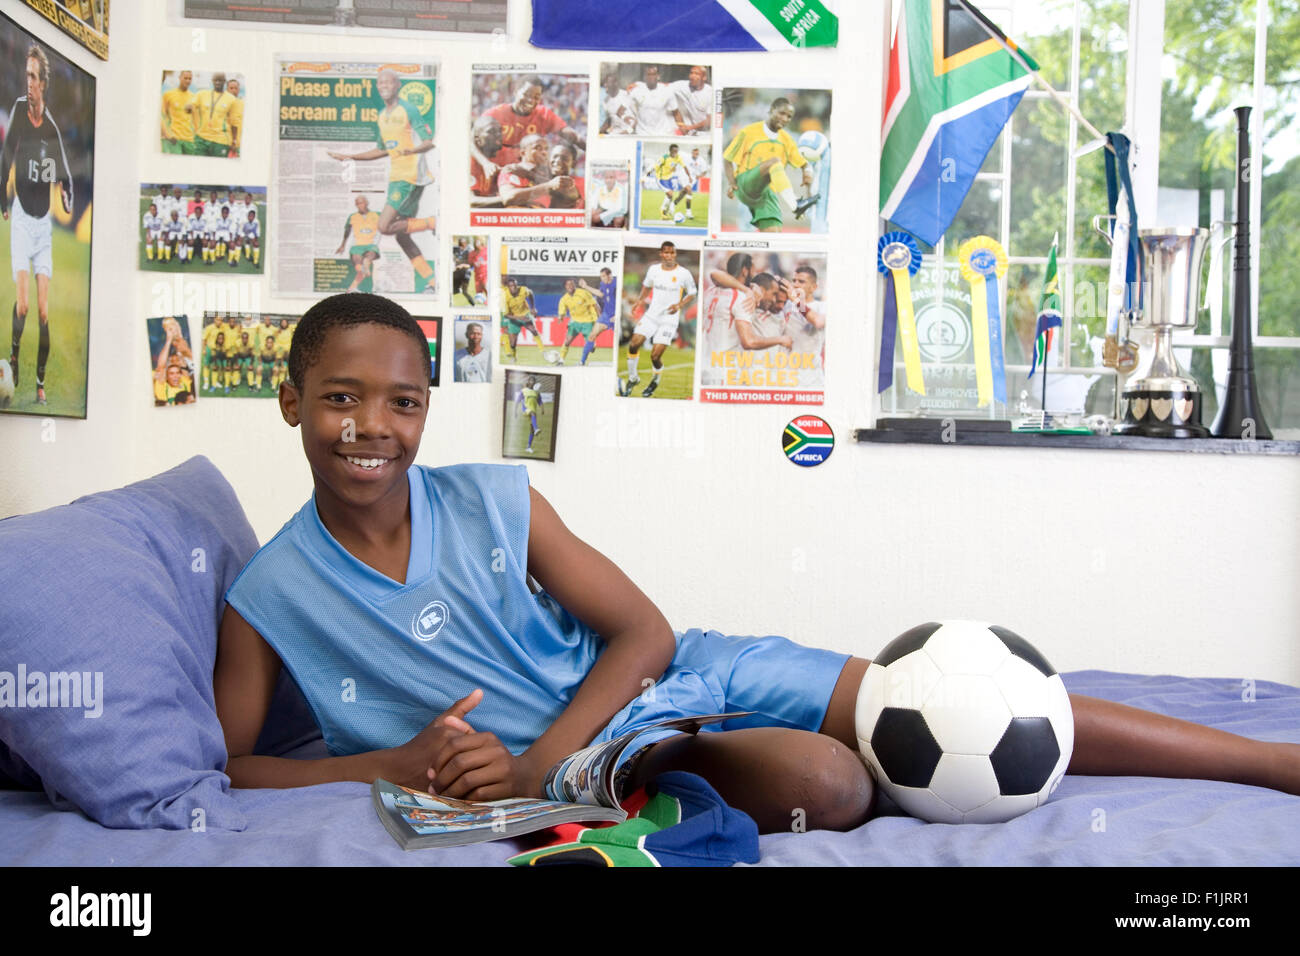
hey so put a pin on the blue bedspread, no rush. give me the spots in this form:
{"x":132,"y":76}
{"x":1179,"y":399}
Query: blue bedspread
{"x":1116,"y":821}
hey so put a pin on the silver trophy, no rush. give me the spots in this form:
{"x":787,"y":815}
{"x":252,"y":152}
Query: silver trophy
{"x":1165,"y":402}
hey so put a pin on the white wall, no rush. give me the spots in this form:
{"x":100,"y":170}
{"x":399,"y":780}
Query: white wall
{"x":1148,"y":562}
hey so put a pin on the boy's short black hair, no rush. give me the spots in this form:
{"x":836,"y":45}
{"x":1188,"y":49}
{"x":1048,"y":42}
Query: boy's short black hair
{"x":344,"y":311}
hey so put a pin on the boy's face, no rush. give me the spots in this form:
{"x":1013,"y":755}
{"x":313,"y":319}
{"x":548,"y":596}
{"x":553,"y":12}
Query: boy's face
{"x":365,"y":399}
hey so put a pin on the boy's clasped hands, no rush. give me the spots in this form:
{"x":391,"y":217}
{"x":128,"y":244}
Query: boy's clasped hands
{"x":451,"y":759}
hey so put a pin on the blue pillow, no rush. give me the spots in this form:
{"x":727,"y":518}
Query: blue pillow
{"x":122,"y":589}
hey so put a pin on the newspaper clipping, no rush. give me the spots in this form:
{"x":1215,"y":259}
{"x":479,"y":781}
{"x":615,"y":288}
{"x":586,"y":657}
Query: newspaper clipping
{"x":358,"y":177}
{"x":763,"y":325}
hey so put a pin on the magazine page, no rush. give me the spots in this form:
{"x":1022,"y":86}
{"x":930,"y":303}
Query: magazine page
{"x":587,"y":776}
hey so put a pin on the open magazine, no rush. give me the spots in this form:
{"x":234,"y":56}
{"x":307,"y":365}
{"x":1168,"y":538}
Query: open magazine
{"x":580,"y":788}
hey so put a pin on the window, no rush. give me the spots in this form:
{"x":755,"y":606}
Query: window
{"x":1040,"y":180}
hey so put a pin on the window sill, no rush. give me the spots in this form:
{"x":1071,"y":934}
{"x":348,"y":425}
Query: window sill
{"x":972,"y":436}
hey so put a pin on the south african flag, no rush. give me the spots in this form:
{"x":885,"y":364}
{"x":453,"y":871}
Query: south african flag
{"x":808,"y":440}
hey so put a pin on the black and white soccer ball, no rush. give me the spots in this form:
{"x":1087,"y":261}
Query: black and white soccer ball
{"x":964,"y":722}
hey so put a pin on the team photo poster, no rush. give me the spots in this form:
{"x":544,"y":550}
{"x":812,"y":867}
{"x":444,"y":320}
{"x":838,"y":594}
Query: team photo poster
{"x":202,"y":113}
{"x":49,"y":156}
{"x":763,"y":324}
{"x":776,"y":161}
{"x":245,"y":355}
{"x":528,"y":147}
{"x":202,"y":229}
{"x":358,"y":177}
{"x":559,"y":297}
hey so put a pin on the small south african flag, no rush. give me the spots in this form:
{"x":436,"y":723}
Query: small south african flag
{"x":808,"y":440}
{"x":1049,"y":312}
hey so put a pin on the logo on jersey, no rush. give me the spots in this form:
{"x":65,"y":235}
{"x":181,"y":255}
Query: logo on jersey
{"x":426,"y":625}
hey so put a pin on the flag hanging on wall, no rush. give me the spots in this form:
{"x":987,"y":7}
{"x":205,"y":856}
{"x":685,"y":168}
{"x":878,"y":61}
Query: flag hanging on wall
{"x":685,"y":26}
{"x":952,"y":87}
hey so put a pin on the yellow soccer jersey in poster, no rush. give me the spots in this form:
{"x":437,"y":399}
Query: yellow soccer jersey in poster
{"x":265,"y":332}
{"x":517,"y":304}
{"x":532,"y":400}
{"x":210,"y":334}
{"x":581,"y":306}
{"x":754,"y":146}
{"x":214,"y":111}
{"x":179,"y":121}
{"x":668,"y":165}
{"x":235,"y":122}
{"x":234,"y":341}
{"x":283,"y":339}
{"x":365,"y":229}
{"x":403,"y":128}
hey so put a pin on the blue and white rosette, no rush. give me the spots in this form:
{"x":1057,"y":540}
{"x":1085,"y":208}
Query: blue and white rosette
{"x":899,"y":257}
{"x":983,"y":262}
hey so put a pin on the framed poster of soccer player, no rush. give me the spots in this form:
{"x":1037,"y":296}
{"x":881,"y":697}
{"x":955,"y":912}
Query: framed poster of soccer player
{"x":656,"y":351}
{"x":202,"y":229}
{"x":530,"y":415}
{"x":245,"y":354}
{"x":558,"y":300}
{"x":358,"y":177}
{"x":472,"y":361}
{"x":672,"y":192}
{"x":202,"y":113}
{"x":432,"y":329}
{"x":86,"y":21}
{"x":656,"y":99}
{"x":609,"y":196}
{"x":528,"y":147}
{"x":763,"y":324}
{"x":48,"y":154}
{"x":171,"y":360}
{"x":469,"y":277}
{"x":776,"y":164}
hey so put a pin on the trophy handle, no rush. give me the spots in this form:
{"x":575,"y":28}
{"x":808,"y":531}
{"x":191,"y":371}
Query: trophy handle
{"x":1229,"y":228}
{"x":1101,"y":230}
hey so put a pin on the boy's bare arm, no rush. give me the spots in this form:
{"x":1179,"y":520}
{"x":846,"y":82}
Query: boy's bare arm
{"x":639,"y":642}
{"x":243,"y":684}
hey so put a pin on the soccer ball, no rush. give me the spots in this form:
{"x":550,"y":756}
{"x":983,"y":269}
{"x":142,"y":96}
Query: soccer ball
{"x":679,"y":217}
{"x":480,"y":298}
{"x":964,"y":722}
{"x":551,"y":357}
{"x":6,"y":384}
{"x":812,"y":145}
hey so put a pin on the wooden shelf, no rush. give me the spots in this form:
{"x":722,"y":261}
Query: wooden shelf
{"x":971,"y":436}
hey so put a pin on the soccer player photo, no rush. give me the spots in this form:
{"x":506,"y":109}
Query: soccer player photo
{"x":559,"y":296}
{"x":656,"y":355}
{"x":528,"y":148}
{"x":204,"y":229}
{"x":355,"y":151}
{"x":202,"y":113}
{"x":530,"y":415}
{"x":673,"y":187}
{"x":469,"y":276}
{"x":171,"y":360}
{"x":776,"y":164}
{"x":432,"y":329}
{"x":653,"y":99}
{"x":47,"y":108}
{"x":245,"y":355}
{"x":472,"y":361}
{"x":763,"y":325}
{"x":609,"y":200}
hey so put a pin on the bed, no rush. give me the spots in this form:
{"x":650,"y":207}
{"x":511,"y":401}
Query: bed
{"x":141,"y":784}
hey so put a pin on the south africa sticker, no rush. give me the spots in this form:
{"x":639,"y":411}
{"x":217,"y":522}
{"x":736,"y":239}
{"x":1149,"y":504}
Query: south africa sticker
{"x":808,"y":441}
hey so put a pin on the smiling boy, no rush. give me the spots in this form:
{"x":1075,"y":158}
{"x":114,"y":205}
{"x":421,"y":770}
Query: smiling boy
{"x":399,"y":599}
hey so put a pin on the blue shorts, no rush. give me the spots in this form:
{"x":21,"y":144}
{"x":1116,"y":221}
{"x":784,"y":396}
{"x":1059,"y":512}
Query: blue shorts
{"x":785,"y":684}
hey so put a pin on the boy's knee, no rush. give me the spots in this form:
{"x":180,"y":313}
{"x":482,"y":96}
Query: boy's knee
{"x":836,"y":786}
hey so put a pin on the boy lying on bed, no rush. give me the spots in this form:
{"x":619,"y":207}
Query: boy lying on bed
{"x":399,"y":598}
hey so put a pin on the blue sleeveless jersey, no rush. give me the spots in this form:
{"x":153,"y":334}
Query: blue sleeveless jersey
{"x":378,"y":660}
